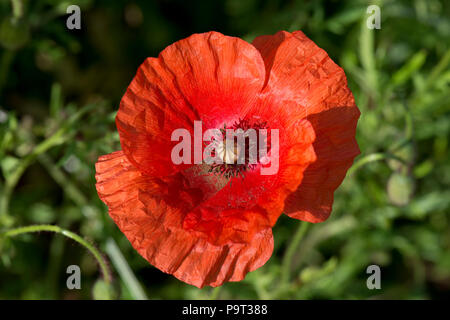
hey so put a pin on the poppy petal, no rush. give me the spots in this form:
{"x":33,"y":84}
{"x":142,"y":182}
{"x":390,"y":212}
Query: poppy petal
{"x":140,"y":206}
{"x":208,"y":77}
{"x":300,"y":71}
{"x":254,"y":202}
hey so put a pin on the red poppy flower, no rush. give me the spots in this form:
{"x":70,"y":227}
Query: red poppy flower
{"x":193,"y":221}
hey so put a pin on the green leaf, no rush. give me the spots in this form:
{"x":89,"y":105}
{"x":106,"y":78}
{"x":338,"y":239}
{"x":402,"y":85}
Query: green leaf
{"x":409,"y":68}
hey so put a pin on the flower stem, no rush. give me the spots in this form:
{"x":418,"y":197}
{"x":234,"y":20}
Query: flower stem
{"x":215,"y":293}
{"x":17,"y":7}
{"x":51,"y":228}
{"x":124,"y":270}
{"x":372,"y":158}
{"x":291,"y":249}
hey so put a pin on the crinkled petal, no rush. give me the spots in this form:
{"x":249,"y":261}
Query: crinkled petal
{"x":312,"y":85}
{"x":150,"y":213}
{"x":262,"y":195}
{"x":208,"y":77}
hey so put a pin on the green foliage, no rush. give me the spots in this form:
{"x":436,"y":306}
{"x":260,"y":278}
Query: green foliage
{"x":60,"y":90}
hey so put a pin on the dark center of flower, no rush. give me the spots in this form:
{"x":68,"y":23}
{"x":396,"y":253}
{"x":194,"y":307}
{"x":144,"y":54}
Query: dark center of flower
{"x":240,"y":155}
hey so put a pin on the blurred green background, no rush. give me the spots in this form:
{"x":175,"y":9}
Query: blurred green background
{"x":60,"y":90}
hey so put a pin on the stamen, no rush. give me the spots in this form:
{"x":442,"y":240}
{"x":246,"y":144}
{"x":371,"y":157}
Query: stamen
{"x":230,"y":151}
